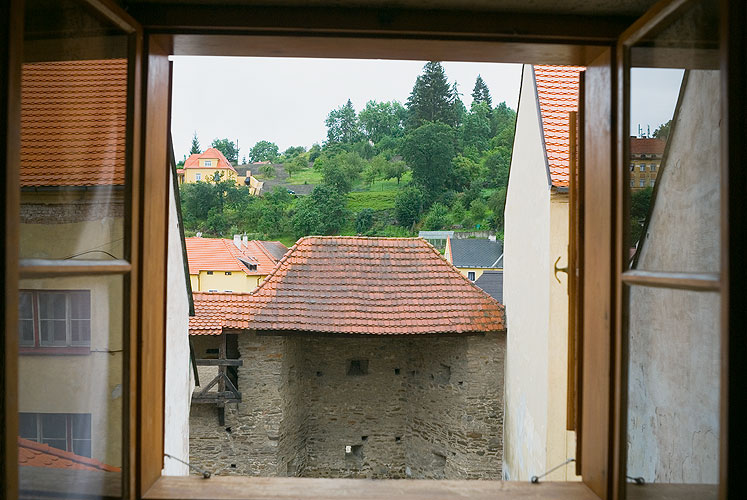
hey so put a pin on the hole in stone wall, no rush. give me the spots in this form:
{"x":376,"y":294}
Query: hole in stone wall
{"x":318,"y":374}
{"x":358,"y":367}
{"x":355,"y":451}
{"x":233,"y":466}
{"x":396,"y":371}
{"x":397,"y":439}
{"x":228,"y":430}
{"x":364,"y":438}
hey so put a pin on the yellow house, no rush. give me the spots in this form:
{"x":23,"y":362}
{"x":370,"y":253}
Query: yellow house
{"x":474,"y":256}
{"x":238,"y":265}
{"x":208,"y":166}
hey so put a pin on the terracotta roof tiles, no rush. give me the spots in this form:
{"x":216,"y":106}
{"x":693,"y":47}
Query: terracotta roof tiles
{"x":209,"y":154}
{"x":356,"y":285}
{"x":646,"y":145}
{"x":73,"y":116}
{"x":557,"y":91}
{"x":31,"y":453}
{"x":216,"y":254}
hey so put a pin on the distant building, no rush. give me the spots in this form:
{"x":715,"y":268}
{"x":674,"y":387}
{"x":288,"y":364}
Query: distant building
{"x":357,"y":357}
{"x":212,"y":165}
{"x":238,"y":265}
{"x":645,"y":161}
{"x":474,"y":256}
{"x":436,"y":238}
{"x":492,"y":283}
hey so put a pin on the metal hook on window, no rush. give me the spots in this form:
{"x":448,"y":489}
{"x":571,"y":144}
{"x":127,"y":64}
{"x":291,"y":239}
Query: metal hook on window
{"x":205,"y":474}
{"x":559,"y":269}
{"x":536,"y":479}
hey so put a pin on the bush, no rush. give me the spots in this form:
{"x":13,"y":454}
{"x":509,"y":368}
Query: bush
{"x":408,"y":205}
{"x":437,"y":217}
{"x":364,"y":221}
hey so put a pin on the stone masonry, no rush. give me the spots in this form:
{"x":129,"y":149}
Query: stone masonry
{"x":319,"y":405}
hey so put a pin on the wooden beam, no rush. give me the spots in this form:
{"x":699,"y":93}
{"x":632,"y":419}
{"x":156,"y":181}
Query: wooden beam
{"x":219,"y":362}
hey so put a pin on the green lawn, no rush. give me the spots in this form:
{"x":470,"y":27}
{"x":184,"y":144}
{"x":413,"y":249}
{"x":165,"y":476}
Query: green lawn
{"x":305,"y":176}
{"x":375,"y":200}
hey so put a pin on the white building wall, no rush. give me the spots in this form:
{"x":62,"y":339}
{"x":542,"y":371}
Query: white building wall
{"x":673,"y":392}
{"x":526,"y":293}
{"x":179,"y":379}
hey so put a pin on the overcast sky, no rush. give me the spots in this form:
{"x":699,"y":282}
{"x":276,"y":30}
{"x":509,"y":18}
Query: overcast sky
{"x":286,"y":100}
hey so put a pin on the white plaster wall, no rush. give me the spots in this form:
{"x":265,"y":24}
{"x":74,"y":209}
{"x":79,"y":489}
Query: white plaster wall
{"x":526,"y":293}
{"x":673,"y":407}
{"x":179,"y":380}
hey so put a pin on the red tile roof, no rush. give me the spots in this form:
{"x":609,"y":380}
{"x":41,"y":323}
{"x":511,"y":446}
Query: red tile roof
{"x":557,"y":90}
{"x":215,"y":254}
{"x":379,"y":286}
{"x":209,"y":154}
{"x":73,"y":117}
{"x":644,"y":145}
{"x":31,"y":453}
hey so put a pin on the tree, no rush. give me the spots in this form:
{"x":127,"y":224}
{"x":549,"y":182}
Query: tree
{"x":322,"y":212}
{"x":340,"y":171}
{"x":342,"y":125}
{"x":263,"y":151}
{"x":295,"y":165}
{"x":437,"y":218}
{"x":268,"y":170}
{"x":195,"y":145}
{"x":428,"y":151}
{"x":382,"y":119}
{"x":394,"y":170}
{"x":432,"y":98}
{"x":364,"y":221}
{"x":503,"y":123}
{"x":314,"y":152}
{"x":639,"y":207}
{"x":481,"y":94}
{"x":228,"y":148}
{"x":408,"y":205}
{"x":495,"y":165}
{"x":478,"y":209}
{"x":497,"y":205}
{"x":476,"y":130}
{"x":662,"y":132}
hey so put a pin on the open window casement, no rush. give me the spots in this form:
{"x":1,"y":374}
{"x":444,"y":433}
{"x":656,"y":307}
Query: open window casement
{"x":134,"y":196}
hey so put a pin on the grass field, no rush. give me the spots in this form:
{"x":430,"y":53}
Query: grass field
{"x":305,"y":176}
{"x":375,"y":200}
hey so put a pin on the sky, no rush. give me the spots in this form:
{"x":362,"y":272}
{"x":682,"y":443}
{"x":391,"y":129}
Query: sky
{"x":286,"y":100}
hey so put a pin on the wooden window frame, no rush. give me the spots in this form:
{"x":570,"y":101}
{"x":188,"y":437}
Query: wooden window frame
{"x":69,"y":432}
{"x":69,"y":347}
{"x":397,"y":34}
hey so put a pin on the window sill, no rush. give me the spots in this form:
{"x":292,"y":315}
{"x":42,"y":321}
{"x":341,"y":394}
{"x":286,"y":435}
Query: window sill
{"x":265,"y":488}
{"x":54,"y":351}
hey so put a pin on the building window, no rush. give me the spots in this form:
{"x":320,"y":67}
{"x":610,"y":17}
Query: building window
{"x":54,"y":318}
{"x":632,"y":183}
{"x":198,"y":176}
{"x":642,"y":182}
{"x":228,"y":273}
{"x":213,"y":290}
{"x":652,"y":182}
{"x":209,"y":273}
{"x":632,"y":166}
{"x":64,"y":431}
{"x":652,"y":167}
{"x":471,"y":275}
{"x":208,"y":163}
{"x":642,"y":167}
{"x":358,"y":367}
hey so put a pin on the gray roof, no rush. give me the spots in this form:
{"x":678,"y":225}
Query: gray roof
{"x":435,"y":235}
{"x":476,"y":253}
{"x":275,"y":248}
{"x":492,"y":283}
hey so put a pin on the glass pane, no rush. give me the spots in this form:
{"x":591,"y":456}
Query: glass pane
{"x":27,"y":426}
{"x":674,"y":148}
{"x":673,"y":386}
{"x":73,"y":120}
{"x":77,"y":393}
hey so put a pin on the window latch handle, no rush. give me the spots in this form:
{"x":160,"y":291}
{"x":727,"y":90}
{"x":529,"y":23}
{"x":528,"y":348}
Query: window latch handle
{"x":559,"y":269}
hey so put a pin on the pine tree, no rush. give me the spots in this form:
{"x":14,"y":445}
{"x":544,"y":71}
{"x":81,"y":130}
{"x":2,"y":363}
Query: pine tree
{"x":481,"y":93}
{"x":343,"y":125}
{"x":195,"y":145}
{"x":432,"y":98}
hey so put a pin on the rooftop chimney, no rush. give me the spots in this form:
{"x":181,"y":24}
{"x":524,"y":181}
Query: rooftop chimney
{"x":245,"y":240}
{"x":237,"y":240}
{"x":491,"y":237}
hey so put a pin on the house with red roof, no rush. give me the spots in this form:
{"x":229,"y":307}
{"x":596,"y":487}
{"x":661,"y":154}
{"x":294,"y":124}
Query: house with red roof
{"x":71,"y":329}
{"x":356,"y":357}
{"x":645,"y":160}
{"x":212,"y":165}
{"x":238,"y":265}
{"x":535,"y":244}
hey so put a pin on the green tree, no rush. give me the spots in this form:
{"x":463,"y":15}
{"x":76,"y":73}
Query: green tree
{"x":342,"y":125}
{"x":314,"y":152}
{"x":437,"y":217}
{"x":263,"y":151}
{"x":497,"y":205}
{"x":322,"y":212}
{"x":432,"y":98}
{"x":293,"y":152}
{"x":408,"y":205}
{"x":364,"y":221}
{"x":394,"y":169}
{"x":195,"y":145}
{"x":503,"y":123}
{"x":428,"y":151}
{"x":476,"y":129}
{"x":340,"y":171}
{"x":480,"y":93}
{"x":495,"y":165}
{"x":478,"y":209}
{"x":382,"y":119}
{"x":295,"y":165}
{"x":640,"y":201}
{"x":374,"y":170}
{"x":662,"y":132}
{"x":228,"y":148}
{"x":268,"y":170}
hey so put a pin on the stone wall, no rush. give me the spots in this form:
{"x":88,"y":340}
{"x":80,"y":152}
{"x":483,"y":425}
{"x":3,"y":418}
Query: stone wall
{"x":375,"y":407}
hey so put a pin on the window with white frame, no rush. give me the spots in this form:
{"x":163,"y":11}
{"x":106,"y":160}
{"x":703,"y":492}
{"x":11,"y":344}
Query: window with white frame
{"x":652,"y":167}
{"x":54,"y":318}
{"x":471,"y":275}
{"x":652,"y":182}
{"x":208,"y":163}
{"x":64,"y":431}
{"x":642,"y":167}
{"x":198,"y":176}
{"x":642,"y":182}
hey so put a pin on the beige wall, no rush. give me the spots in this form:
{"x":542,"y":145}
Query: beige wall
{"x":477,"y":270}
{"x":238,"y":281}
{"x":190,"y":174}
{"x":536,"y":233}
